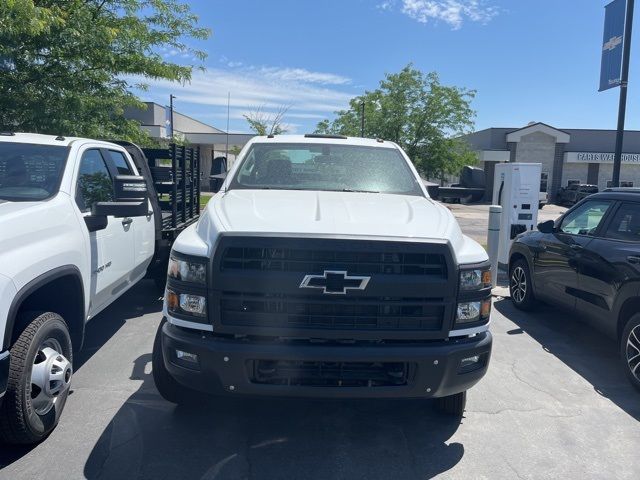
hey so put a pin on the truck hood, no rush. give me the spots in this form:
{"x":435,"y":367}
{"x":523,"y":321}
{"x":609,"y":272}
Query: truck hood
{"x":334,"y":213}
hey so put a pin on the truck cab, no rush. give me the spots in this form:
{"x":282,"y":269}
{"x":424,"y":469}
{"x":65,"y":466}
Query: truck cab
{"x":79,"y":226}
{"x":322,"y":268}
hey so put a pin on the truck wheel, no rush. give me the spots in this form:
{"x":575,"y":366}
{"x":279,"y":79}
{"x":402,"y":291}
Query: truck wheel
{"x":453,"y":404}
{"x":630,"y":350}
{"x":168,"y":388}
{"x":40,"y":374}
{"x":520,"y":286}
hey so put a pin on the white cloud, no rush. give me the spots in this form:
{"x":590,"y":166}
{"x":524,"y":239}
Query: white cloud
{"x":302,"y":75}
{"x":310,"y":96}
{"x":452,"y":12}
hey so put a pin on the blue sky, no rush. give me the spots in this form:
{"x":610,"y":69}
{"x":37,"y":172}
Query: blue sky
{"x":528,"y":60}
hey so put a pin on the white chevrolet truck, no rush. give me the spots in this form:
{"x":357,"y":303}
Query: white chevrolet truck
{"x":81,"y":221}
{"x":323,"y":269}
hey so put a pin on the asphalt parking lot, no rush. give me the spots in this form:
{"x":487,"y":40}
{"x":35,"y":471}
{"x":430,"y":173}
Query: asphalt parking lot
{"x":555,"y":404}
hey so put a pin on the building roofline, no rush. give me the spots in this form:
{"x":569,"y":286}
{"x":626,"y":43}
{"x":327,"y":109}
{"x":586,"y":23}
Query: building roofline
{"x":189,"y":117}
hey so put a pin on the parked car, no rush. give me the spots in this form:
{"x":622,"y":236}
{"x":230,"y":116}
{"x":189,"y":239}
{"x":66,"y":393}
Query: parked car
{"x":81,"y":221}
{"x":588,"y":262}
{"x":323,"y":269}
{"x":573,"y":193}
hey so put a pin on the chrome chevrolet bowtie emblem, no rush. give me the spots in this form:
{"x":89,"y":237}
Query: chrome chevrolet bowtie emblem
{"x":335,"y":282}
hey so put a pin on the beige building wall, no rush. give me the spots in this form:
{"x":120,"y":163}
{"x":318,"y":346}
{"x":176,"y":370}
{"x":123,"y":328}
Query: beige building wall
{"x":538,"y":147}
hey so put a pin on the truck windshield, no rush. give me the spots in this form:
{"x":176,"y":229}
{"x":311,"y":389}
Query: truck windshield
{"x":29,"y":172}
{"x":326,"y":167}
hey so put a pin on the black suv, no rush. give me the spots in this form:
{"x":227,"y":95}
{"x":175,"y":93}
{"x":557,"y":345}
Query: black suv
{"x":587,"y":261}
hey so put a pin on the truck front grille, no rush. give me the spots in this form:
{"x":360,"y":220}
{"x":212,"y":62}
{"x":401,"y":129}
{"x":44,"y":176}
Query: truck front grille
{"x":329,"y":374}
{"x":355,"y":262}
{"x":358,"y":313}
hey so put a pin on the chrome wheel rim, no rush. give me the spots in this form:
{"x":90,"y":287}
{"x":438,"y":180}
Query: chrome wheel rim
{"x":518,"y":284}
{"x":633,"y":352}
{"x":50,"y":376}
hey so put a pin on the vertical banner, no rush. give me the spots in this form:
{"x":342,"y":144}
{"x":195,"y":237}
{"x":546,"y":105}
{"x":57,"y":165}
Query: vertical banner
{"x":612,"y":41}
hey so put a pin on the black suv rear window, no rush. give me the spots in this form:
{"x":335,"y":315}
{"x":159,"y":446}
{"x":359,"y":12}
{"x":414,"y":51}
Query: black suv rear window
{"x":625,"y":224}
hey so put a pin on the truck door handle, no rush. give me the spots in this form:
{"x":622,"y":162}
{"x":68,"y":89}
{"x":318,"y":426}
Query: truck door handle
{"x":633,"y":259}
{"x":127,"y":221}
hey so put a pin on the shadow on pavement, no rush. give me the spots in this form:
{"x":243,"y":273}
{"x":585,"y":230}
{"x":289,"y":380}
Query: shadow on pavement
{"x":140,"y":300}
{"x":143,"y":298}
{"x":271,"y":438}
{"x":582,"y":348}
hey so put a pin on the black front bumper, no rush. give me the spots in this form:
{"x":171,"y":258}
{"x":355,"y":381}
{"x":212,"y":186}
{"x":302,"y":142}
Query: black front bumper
{"x":223,"y":365}
{"x":4,"y":374}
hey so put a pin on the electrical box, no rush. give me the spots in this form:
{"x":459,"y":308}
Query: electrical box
{"x":516,"y":189}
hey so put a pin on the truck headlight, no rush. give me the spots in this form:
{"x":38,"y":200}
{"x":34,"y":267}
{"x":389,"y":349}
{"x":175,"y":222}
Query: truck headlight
{"x":187,"y":270}
{"x":186,"y":303}
{"x":470,"y":312}
{"x":475,"y":279}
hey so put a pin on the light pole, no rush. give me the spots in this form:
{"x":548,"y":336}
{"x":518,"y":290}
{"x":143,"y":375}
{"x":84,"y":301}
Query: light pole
{"x":624,"y":81}
{"x":171,"y":97}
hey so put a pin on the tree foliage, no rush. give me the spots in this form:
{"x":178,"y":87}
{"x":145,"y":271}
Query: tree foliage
{"x":66,"y":66}
{"x":265,"y":123}
{"x":417,"y":112}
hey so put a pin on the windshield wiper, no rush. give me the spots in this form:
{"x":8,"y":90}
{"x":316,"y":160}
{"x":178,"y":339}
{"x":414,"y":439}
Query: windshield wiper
{"x":358,"y":191}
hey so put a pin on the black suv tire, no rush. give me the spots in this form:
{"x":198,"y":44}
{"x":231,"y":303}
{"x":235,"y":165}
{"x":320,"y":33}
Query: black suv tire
{"x":520,"y":285}
{"x":630,"y":350}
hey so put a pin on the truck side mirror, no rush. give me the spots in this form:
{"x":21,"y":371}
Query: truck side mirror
{"x":96,"y":222}
{"x":546,"y":227}
{"x":131,"y":198}
{"x":218,"y":173}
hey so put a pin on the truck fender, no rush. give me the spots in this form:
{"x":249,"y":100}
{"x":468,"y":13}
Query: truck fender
{"x":75,"y":324}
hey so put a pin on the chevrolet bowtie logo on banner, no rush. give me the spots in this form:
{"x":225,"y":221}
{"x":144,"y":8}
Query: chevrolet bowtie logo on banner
{"x":612,"y":42}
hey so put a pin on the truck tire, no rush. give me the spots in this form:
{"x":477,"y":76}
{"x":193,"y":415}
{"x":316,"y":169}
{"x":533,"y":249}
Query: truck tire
{"x":520,"y":285}
{"x":40,"y":374}
{"x":166,"y":385}
{"x":630,"y":350}
{"x":453,"y":404}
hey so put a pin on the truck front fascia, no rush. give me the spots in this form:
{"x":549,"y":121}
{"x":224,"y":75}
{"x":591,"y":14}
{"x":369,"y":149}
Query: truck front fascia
{"x":435,"y":369}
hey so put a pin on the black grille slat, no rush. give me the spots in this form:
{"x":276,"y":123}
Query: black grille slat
{"x":367,"y":313}
{"x":305,"y":260}
{"x":329,"y":374}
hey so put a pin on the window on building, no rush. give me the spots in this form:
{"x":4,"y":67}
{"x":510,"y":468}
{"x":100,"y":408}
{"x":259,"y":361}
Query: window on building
{"x":121,"y":163}
{"x":573,"y":182}
{"x":626,"y":223}
{"x":544,"y":179}
{"x":94,"y":182}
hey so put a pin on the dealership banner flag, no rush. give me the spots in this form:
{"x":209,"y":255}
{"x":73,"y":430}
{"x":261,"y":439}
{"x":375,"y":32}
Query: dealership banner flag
{"x":613,"y":39}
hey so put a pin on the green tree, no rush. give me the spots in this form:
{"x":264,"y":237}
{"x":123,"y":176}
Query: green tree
{"x":68,"y":66}
{"x":417,"y":112}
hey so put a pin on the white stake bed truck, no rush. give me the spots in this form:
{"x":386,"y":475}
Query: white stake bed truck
{"x":323,"y":269}
{"x":81,"y":221}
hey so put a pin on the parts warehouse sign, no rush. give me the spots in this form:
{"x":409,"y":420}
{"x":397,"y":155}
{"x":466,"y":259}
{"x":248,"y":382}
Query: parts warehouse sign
{"x":597,"y":157}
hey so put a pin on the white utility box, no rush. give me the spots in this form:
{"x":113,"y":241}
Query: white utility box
{"x":516,"y":189}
